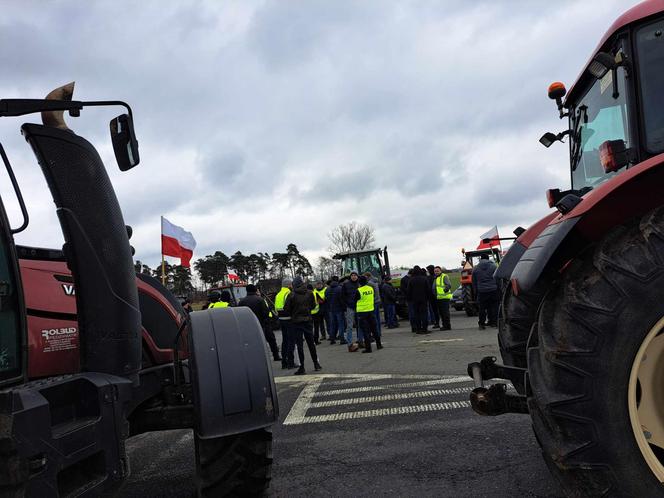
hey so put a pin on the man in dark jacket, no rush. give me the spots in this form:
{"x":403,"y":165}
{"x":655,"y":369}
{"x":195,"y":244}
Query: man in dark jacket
{"x":336,"y":309}
{"x":349,"y":293}
{"x":418,"y":293}
{"x":405,"y":280}
{"x":389,"y":297}
{"x":299,"y":305}
{"x":486,"y":291}
{"x":258,"y":305}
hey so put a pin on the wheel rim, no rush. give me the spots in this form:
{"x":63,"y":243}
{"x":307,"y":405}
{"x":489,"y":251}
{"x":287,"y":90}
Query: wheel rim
{"x":646,"y":399}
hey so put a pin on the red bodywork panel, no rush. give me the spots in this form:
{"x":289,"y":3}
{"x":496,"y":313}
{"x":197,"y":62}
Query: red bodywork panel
{"x":636,"y":13}
{"x":53,"y":347}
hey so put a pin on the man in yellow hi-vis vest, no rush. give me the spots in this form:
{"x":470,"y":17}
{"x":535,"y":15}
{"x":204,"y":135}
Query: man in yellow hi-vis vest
{"x":223,"y":302}
{"x":366,"y":318}
{"x":319,"y":312}
{"x":442,"y":288}
{"x":287,"y":345}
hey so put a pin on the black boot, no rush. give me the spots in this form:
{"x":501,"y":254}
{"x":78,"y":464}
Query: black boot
{"x":277,"y":357}
{"x":317,"y":366}
{"x":300,"y":371}
{"x":379,"y":345}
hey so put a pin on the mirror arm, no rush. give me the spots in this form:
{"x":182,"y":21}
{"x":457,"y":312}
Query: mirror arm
{"x":20,"y":107}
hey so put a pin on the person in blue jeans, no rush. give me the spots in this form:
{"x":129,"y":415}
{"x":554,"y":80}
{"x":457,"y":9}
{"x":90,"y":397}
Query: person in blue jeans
{"x":373,"y":282}
{"x":336,"y":309}
{"x":349,"y":293}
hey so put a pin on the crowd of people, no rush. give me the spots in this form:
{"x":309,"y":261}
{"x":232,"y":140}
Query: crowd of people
{"x":342,"y":309}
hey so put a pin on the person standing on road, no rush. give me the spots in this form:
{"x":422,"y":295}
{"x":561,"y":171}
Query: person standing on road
{"x":405,"y":281}
{"x":486,"y":290}
{"x":442,"y":288}
{"x":319,"y":312}
{"x":287,"y":345}
{"x":223,"y":301}
{"x":389,"y":299}
{"x":373,"y":282}
{"x":349,"y":292}
{"x":366,"y":317}
{"x":434,"y":317}
{"x":299,"y":305}
{"x":258,"y":305}
{"x":418,"y":293}
{"x":336,"y":309}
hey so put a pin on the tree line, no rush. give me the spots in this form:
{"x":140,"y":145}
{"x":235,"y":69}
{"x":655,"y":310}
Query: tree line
{"x":213,"y":268}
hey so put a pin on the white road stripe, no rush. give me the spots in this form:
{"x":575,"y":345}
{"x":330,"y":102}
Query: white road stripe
{"x":390,"y":397}
{"x":382,"y":412}
{"x":301,"y":405}
{"x":433,"y":382}
{"x":434,"y":341}
{"x":351,"y":378}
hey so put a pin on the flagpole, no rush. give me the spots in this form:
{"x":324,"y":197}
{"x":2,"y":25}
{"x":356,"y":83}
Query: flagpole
{"x":163,"y":265}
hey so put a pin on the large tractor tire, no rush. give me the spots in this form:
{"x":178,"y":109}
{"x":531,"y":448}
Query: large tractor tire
{"x":237,"y":465}
{"x":597,"y":367}
{"x":468,"y":303}
{"x":516,"y":318}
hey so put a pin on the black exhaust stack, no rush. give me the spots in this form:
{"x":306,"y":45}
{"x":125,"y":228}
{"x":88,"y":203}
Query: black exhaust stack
{"x":96,"y":248}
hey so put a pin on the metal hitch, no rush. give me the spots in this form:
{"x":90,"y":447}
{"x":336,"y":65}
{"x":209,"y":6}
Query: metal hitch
{"x":495,"y":400}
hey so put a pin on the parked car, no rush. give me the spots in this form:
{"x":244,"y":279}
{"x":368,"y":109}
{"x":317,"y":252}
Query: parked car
{"x":457,"y":299}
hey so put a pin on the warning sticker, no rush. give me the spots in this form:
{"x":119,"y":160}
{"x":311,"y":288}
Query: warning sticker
{"x":60,"y":339}
{"x":606,"y":82}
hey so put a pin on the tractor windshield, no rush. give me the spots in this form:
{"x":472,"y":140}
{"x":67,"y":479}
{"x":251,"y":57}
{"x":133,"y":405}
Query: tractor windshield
{"x":362,"y":263}
{"x":594,"y":119}
{"x":650,"y":49}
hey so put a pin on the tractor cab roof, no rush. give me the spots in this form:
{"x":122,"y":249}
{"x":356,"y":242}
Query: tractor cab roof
{"x":638,"y":12}
{"x":478,"y":252}
{"x":344,"y":255}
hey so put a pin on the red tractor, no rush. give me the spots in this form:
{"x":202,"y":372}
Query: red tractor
{"x":582,"y":323}
{"x":92,"y":354}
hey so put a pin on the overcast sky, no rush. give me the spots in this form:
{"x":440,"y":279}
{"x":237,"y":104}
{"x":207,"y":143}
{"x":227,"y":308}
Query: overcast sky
{"x":269,"y":122}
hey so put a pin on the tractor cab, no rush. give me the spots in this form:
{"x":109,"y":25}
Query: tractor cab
{"x":368,"y":260}
{"x":471,"y":259}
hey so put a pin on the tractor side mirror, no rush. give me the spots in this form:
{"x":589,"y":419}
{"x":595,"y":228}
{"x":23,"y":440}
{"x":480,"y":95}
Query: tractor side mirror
{"x":124,"y":141}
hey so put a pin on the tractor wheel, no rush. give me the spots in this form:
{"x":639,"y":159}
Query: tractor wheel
{"x":515,"y":321}
{"x":597,"y":366}
{"x":468,"y":303}
{"x":236,"y":465}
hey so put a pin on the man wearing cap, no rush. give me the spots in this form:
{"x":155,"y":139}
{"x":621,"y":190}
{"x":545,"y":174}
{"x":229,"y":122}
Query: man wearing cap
{"x":287,"y":345}
{"x":258,"y":305}
{"x":298,"y":306}
{"x":442,"y":288}
{"x":349,"y":293}
{"x":224,"y":300}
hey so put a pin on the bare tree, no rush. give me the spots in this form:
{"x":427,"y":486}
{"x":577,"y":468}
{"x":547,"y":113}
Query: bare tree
{"x":352,"y":236}
{"x":326,"y":267}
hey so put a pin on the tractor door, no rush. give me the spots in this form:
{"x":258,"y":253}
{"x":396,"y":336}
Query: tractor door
{"x":12,"y":316}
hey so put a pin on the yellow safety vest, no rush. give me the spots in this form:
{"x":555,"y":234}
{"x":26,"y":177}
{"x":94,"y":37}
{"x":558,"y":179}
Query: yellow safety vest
{"x":317,"y":294}
{"x":219,"y":304}
{"x":280,"y":299}
{"x":440,"y":288}
{"x":366,"y":302}
{"x":269,"y":311}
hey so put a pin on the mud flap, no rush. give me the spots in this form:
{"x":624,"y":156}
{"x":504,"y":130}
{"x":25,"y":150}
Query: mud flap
{"x":232,"y":379}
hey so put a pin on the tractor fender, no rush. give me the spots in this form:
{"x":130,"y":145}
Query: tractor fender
{"x":232,"y":380}
{"x":627,"y":195}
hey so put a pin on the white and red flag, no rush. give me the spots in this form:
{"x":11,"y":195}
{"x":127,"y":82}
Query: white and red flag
{"x":233,"y":276}
{"x":177,"y":242}
{"x":492,"y":235}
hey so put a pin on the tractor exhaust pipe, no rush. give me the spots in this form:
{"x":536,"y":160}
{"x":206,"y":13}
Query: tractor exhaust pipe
{"x":96,"y":244}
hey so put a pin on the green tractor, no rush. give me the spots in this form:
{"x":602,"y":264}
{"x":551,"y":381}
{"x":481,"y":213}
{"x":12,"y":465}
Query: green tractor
{"x":371,"y":260}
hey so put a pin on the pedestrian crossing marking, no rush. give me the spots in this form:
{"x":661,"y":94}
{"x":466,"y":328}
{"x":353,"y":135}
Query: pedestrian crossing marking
{"x":423,"y":383}
{"x":382,"y":412}
{"x":310,"y":397}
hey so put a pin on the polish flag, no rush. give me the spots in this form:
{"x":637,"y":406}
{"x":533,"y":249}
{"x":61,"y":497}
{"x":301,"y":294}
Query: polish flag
{"x":232,"y":276}
{"x":176,"y":242}
{"x":491,"y":234}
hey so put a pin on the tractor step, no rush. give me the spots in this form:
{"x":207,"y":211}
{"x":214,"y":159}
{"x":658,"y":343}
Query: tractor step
{"x":495,"y":400}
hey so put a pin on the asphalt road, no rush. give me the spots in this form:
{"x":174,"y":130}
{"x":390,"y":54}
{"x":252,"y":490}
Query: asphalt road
{"x":394,"y":422}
